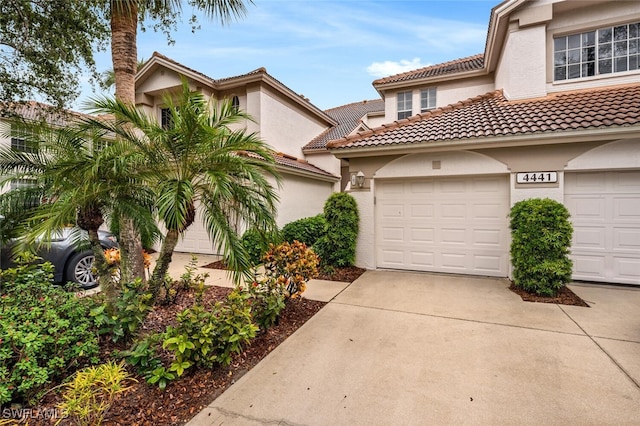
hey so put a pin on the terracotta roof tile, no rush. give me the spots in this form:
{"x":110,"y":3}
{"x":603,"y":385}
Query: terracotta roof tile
{"x":36,"y":111}
{"x":297,"y":163}
{"x":348,"y":118}
{"x":471,"y":63}
{"x":491,"y":115}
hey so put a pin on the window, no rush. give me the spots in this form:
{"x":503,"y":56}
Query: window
{"x":20,"y":143}
{"x":404,"y":105}
{"x":22,"y":183}
{"x":602,"y":51}
{"x":427,"y":99}
{"x":235,"y":103}
{"x":166,"y":121}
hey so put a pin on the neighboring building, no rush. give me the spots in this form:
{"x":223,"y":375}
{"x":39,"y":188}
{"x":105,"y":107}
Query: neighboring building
{"x":284,"y":119}
{"x":551,"y":109}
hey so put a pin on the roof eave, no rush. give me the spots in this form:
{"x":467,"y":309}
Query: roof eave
{"x":382,"y":87}
{"x":625,"y":132}
{"x":308,"y":174}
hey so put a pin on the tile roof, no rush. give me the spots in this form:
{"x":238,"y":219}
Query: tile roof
{"x":492,"y":115}
{"x":348,"y":118}
{"x":36,"y":111}
{"x":471,"y":63}
{"x":299,"y":164}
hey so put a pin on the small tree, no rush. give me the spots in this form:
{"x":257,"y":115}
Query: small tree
{"x":541,"y":237}
{"x":338,"y":245}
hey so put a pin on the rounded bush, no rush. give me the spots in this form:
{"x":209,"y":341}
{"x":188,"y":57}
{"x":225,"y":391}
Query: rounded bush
{"x":256,"y":243}
{"x":540,"y":239}
{"x":337,"y":247}
{"x":307,"y":230}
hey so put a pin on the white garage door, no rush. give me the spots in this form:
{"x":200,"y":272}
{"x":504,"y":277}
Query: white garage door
{"x":196,"y":239}
{"x":605,"y":212}
{"x":455,"y":225}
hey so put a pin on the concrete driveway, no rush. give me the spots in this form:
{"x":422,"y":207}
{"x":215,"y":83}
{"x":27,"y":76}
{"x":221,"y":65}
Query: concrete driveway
{"x":412,"y":348}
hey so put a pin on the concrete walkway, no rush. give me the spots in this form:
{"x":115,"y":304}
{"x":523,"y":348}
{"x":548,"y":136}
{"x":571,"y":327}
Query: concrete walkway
{"x":411,"y":348}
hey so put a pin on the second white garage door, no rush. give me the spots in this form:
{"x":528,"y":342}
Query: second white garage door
{"x":455,"y":225}
{"x":605,"y":211}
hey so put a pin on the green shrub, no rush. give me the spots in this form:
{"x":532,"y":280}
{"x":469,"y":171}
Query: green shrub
{"x":206,"y":337}
{"x":307,"y":230}
{"x":131,"y":308}
{"x":540,"y":239}
{"x":337,"y":247}
{"x":45,"y":332}
{"x":256,"y":243}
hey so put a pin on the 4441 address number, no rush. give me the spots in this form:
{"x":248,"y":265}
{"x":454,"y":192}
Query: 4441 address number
{"x":537,"y":177}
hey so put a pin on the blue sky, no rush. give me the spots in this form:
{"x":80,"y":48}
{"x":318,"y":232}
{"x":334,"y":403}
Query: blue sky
{"x":329,"y":51}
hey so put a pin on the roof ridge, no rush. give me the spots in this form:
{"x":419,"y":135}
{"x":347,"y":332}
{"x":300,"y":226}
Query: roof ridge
{"x":428,"y":68}
{"x":363,"y":102}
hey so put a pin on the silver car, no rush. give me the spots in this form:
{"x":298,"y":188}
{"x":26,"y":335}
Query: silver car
{"x":70,"y":254}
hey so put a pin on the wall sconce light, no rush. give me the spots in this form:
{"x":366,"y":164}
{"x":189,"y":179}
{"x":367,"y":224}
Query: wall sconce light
{"x":360,"y":179}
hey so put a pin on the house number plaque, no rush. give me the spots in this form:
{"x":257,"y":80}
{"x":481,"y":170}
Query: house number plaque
{"x":537,"y":177}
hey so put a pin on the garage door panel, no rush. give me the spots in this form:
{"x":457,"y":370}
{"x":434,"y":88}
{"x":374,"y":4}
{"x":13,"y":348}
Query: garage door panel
{"x":393,"y":211}
{"x":422,"y":211}
{"x":457,"y":225}
{"x":626,"y":208}
{"x":605,"y":212}
{"x":487,"y":237}
{"x":628,"y":267}
{"x":393,"y":234}
{"x":422,"y":235}
{"x":589,"y":237}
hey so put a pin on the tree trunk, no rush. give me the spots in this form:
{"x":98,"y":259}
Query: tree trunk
{"x":162,"y":264}
{"x":104,"y":278}
{"x":124,"y":55}
{"x":124,"y":49}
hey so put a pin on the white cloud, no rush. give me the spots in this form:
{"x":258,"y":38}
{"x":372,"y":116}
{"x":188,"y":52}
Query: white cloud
{"x":387,"y":68}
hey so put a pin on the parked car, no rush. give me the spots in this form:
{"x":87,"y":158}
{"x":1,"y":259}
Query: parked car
{"x":69,"y":253}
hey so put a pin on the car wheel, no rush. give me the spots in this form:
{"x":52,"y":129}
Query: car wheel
{"x":79,"y":268}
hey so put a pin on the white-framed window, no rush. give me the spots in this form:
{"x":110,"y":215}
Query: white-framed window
{"x":404,"y":105}
{"x":235,"y":103}
{"x":427,"y":99}
{"x":20,"y":143}
{"x":603,"y":51}
{"x":22,"y":183}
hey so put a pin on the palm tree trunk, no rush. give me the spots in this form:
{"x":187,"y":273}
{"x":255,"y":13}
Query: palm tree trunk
{"x":162,"y":264}
{"x":124,"y":49}
{"x":124,"y":56}
{"x":105,"y":280}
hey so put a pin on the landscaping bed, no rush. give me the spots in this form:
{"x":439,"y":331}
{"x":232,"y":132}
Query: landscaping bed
{"x":184,"y":397}
{"x":564,"y":297}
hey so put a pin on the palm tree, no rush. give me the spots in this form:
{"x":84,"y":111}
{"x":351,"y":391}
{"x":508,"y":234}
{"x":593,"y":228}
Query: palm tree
{"x":80,"y":180}
{"x":108,"y":77}
{"x":124,"y":16}
{"x":200,"y":162}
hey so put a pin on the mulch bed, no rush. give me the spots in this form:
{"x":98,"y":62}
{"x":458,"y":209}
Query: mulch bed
{"x":182,"y":399}
{"x":345,"y":274}
{"x":564,"y":297}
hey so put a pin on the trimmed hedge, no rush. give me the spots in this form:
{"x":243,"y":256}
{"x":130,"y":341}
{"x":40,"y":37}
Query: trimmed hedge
{"x":307,"y":230}
{"x":540,"y":239}
{"x":337,"y":247}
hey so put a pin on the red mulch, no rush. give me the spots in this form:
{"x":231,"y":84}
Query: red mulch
{"x":345,"y":274}
{"x":146,"y":404}
{"x":564,"y":297}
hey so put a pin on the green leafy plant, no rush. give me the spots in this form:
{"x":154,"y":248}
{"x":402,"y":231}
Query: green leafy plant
{"x":206,"y":337}
{"x":131,"y":308}
{"x":267,"y":301}
{"x":45,"y":332}
{"x":307,"y":230}
{"x":337,"y":247}
{"x":144,"y":356}
{"x":540,"y":239}
{"x":256,"y":243}
{"x":170,"y":289}
{"x":91,"y":392}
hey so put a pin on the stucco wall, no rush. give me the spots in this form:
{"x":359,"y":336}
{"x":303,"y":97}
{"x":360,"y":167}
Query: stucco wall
{"x":521,"y":70}
{"x":365,"y":247}
{"x":301,"y":197}
{"x":285,"y":127}
{"x":328,"y":162}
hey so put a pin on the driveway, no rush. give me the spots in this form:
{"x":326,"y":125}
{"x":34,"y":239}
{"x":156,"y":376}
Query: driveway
{"x":416,"y":348}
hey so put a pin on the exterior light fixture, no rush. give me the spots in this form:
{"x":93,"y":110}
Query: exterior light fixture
{"x":360,"y":179}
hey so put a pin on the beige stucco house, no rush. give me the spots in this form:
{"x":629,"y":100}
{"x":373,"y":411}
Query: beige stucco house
{"x":550,"y":109}
{"x":284,"y":119}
